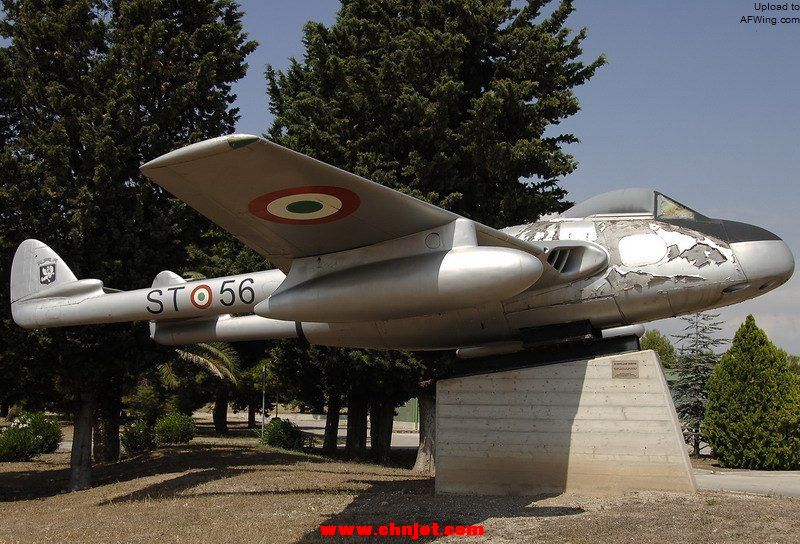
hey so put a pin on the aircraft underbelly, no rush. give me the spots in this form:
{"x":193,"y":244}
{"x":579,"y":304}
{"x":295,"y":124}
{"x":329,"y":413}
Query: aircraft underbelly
{"x":448,"y":330}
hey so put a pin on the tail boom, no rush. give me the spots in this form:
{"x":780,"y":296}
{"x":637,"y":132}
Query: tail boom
{"x":45,"y":293}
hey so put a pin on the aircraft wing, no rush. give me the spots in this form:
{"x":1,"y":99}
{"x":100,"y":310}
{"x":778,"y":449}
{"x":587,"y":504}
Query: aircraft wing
{"x":286,"y":205}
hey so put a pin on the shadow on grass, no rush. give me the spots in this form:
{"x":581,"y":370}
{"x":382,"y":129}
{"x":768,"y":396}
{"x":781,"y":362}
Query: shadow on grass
{"x":405,"y":502}
{"x":207,"y":463}
{"x":372,"y":497}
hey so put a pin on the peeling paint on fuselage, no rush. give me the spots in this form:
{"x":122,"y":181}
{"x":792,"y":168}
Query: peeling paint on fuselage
{"x":691,"y":275}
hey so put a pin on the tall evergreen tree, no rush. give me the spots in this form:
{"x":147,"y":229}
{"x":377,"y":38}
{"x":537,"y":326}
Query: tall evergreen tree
{"x":753,"y":415}
{"x":444,"y":99}
{"x":696,"y":360}
{"x":97,"y":88}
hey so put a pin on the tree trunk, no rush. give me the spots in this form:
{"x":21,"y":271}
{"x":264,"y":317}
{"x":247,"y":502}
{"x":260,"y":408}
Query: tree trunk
{"x":361,"y":428}
{"x":4,"y":407}
{"x":375,"y":429}
{"x":331,"y":440}
{"x":696,"y":443}
{"x":251,"y":415}
{"x":81,"y":458}
{"x":106,"y":431}
{"x":381,"y":423}
{"x":356,"y":427}
{"x":351,"y":442}
{"x":427,"y":430}
{"x":221,"y":411}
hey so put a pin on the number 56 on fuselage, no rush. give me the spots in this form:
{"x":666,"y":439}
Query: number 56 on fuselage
{"x":361,"y":265}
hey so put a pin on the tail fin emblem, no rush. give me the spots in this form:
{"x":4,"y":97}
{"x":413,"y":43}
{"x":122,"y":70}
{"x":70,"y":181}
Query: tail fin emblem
{"x":47,"y":272}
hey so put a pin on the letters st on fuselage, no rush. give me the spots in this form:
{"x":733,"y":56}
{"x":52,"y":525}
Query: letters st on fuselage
{"x":361,"y":265}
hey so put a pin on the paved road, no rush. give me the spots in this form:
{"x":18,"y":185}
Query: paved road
{"x":786,"y":484}
{"x":317,"y":426}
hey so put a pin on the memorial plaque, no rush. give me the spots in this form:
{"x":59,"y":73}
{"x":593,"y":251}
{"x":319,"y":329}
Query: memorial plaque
{"x":625,"y":370}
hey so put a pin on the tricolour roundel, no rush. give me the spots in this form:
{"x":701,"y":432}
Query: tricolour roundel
{"x":305,"y":205}
{"x":201,"y":296}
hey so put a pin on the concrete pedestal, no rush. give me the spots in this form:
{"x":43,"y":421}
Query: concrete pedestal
{"x":602,"y":426}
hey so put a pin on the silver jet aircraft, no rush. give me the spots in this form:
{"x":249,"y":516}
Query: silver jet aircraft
{"x":361,"y":265}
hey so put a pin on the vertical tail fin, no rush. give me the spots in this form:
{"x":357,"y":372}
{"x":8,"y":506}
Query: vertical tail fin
{"x":37,"y":269}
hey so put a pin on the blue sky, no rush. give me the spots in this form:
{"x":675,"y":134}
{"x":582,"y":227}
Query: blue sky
{"x":692,"y":103}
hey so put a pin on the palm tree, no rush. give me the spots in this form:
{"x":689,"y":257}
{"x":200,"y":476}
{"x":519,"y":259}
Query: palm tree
{"x":220,"y":360}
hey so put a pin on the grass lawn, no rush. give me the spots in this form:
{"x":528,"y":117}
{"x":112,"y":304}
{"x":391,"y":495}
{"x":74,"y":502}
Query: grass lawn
{"x":231,"y":490}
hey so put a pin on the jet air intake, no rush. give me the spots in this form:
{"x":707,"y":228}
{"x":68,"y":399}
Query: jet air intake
{"x":419,"y":285}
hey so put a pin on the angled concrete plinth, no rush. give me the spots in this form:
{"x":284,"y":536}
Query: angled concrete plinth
{"x":602,"y":426}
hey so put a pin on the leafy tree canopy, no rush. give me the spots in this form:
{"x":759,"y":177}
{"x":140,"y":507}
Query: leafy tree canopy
{"x":653,"y":339}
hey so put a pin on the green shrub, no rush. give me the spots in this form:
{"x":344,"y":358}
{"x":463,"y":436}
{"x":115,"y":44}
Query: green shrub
{"x":14,"y":412}
{"x":145,"y":404}
{"x":29,"y":435}
{"x":282,"y":433}
{"x":753,"y":415}
{"x":175,"y":428}
{"x":138,"y":436}
{"x":653,"y":339}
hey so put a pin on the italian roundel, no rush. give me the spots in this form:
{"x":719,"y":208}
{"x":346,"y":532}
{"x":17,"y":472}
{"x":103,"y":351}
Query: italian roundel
{"x":201,"y":296}
{"x":305,"y":205}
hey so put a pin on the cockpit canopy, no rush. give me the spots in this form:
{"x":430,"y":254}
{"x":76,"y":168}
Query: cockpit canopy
{"x":633,"y":202}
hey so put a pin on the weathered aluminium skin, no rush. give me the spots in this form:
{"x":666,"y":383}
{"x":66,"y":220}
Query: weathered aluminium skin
{"x":663,"y":270}
{"x":445,"y":282}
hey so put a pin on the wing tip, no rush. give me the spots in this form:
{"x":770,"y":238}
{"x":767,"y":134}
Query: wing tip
{"x":201,"y":149}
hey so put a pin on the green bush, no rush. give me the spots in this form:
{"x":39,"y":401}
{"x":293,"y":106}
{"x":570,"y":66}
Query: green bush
{"x":282,"y":433}
{"x":138,"y":436}
{"x":753,"y":415}
{"x":653,"y":339}
{"x":14,"y":412}
{"x":145,"y":403}
{"x":29,"y":435}
{"x":175,"y":428}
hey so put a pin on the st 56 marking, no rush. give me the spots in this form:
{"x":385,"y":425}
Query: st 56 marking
{"x":202,"y":296}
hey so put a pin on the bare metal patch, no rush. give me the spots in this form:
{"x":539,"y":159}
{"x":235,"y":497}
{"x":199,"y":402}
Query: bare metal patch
{"x":627,"y":280}
{"x":701,"y":255}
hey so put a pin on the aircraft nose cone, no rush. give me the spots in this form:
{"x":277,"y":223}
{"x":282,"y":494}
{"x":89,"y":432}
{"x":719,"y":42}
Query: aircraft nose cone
{"x":766,"y":263}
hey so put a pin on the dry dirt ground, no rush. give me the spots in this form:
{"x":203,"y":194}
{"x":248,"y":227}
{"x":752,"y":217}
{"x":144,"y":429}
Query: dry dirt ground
{"x":234,"y":491}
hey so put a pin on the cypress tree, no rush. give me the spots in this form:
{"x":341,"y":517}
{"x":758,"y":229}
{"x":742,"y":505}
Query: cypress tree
{"x":753,"y":414}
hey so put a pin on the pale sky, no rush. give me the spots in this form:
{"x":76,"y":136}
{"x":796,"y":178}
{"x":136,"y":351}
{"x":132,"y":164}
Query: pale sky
{"x":692,"y":103}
